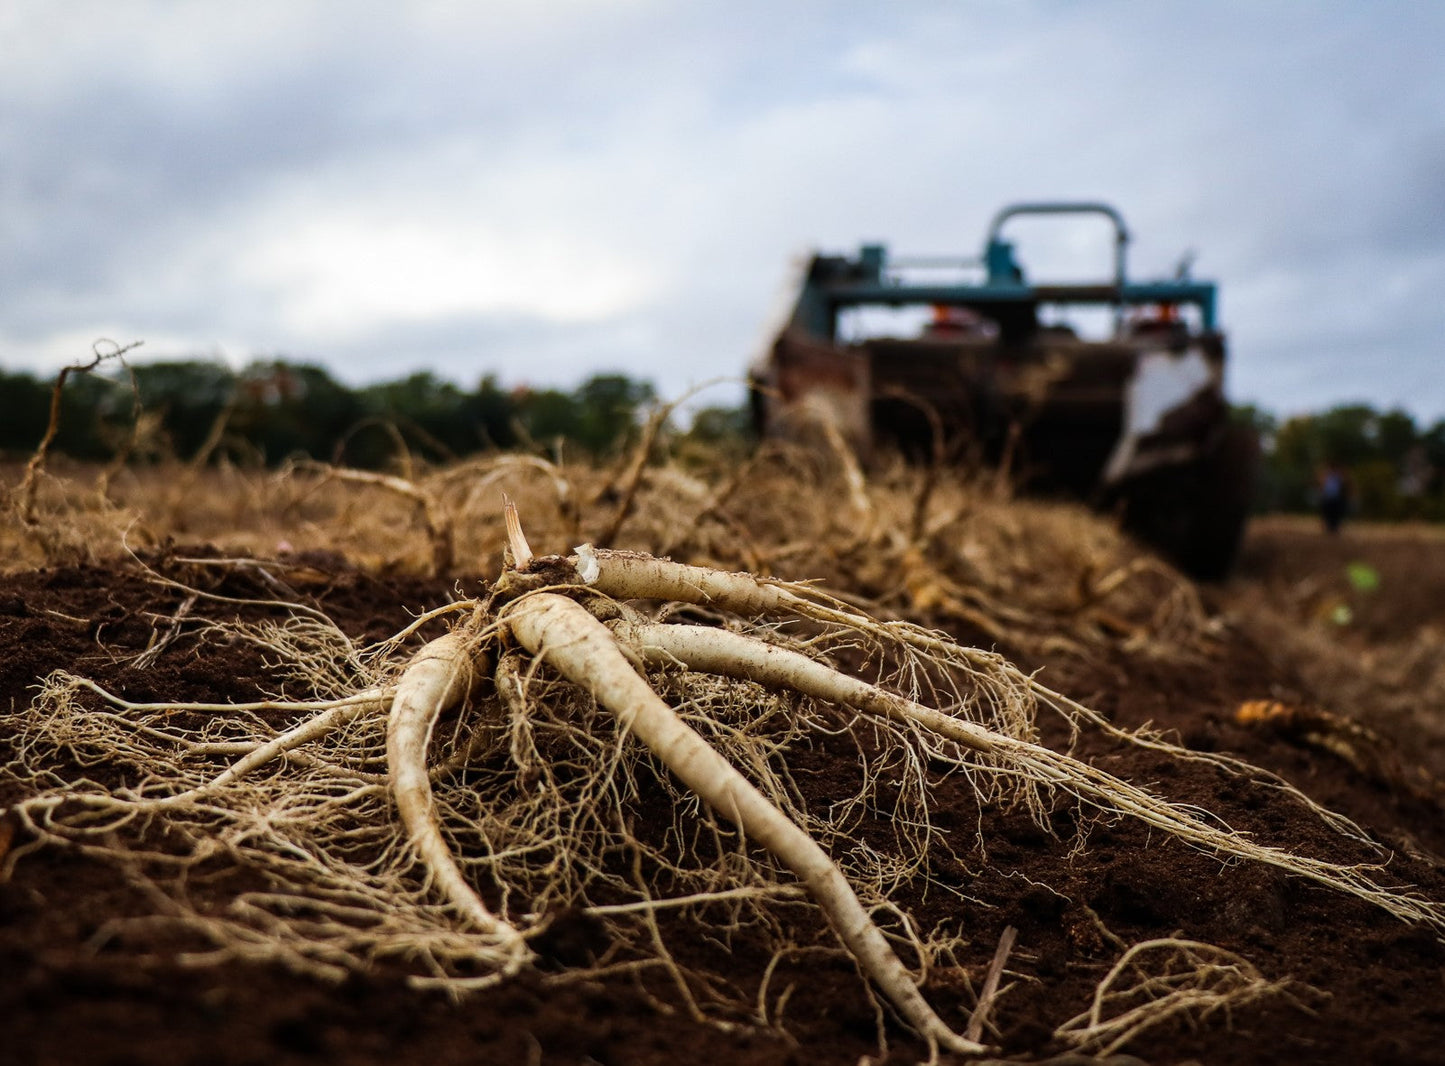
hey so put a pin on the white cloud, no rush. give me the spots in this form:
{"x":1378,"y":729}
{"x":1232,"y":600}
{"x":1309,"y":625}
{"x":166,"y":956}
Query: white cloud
{"x":340,"y":274}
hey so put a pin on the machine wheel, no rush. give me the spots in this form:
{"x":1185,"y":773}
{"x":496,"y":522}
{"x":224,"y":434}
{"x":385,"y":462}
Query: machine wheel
{"x":1196,"y":514}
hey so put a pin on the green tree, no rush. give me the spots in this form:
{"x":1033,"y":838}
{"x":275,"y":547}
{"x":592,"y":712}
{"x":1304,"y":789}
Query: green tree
{"x":1375,"y":448}
{"x":428,"y":411}
{"x":1433,"y":441}
{"x":545,"y":415}
{"x":493,"y":413}
{"x":189,"y":394}
{"x":608,"y":407}
{"x":289,"y":409}
{"x":598,"y":416}
{"x":719,"y":425}
{"x":24,"y":412}
{"x":1346,"y":435}
{"x":1395,"y":433}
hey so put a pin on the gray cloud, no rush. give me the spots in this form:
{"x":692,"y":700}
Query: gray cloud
{"x":544,"y":190}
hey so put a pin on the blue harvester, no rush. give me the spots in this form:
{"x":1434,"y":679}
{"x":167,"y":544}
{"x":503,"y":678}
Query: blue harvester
{"x":969,"y":358}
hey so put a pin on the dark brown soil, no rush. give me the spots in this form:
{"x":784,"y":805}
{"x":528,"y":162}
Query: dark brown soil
{"x":1381,"y":983}
{"x":1399,"y":584}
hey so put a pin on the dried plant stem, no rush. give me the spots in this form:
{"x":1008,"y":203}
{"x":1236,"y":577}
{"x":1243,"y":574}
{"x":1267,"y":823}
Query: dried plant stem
{"x":434,"y":516}
{"x":521,"y":551}
{"x":632,"y":479}
{"x":990,"y":991}
{"x":852,"y":472}
{"x":31,"y":482}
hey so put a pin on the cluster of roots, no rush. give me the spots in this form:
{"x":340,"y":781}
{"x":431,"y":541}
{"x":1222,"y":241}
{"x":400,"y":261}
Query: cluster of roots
{"x":606,"y":737}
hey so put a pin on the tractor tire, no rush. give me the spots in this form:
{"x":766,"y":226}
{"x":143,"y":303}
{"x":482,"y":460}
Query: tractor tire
{"x":1196,"y":514}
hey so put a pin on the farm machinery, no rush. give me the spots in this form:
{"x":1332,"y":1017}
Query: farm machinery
{"x":968,"y":357}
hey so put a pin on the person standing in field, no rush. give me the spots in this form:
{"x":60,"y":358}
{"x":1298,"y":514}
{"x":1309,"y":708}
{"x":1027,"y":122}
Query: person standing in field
{"x":1334,"y":497}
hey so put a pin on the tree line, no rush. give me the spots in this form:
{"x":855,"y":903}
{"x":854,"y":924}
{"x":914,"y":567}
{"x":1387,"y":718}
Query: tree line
{"x":276,"y":409}
{"x":1394,"y":466}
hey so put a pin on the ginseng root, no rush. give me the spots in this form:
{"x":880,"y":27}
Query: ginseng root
{"x":438,"y":677}
{"x":579,"y":647}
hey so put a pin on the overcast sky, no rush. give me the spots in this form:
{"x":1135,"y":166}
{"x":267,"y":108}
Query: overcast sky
{"x":542,"y":189}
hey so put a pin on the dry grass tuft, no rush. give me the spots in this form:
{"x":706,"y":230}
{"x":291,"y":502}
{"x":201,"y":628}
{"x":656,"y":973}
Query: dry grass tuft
{"x":940,"y":547}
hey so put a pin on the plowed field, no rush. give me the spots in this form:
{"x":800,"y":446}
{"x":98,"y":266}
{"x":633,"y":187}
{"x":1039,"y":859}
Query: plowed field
{"x":1342,"y":633}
